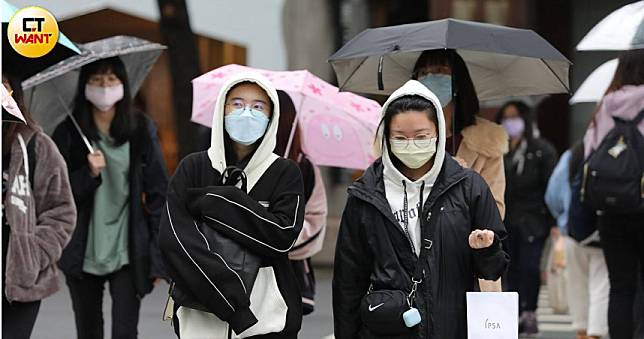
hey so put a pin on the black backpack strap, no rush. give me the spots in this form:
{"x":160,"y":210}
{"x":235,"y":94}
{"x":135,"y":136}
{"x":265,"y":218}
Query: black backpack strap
{"x":638,"y":118}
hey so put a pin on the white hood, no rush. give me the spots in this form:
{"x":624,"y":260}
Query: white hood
{"x":399,"y":188}
{"x":263,"y":156}
{"x":413,"y":87}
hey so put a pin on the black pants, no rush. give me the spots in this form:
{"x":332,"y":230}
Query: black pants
{"x":18,"y":319}
{"x":524,"y":276}
{"x":622,"y":239}
{"x":87,"y":301}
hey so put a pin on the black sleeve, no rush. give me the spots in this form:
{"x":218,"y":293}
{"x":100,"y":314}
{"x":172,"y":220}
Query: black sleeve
{"x":155,"y":185}
{"x":352,"y":268}
{"x":187,"y":254}
{"x":491,"y":262}
{"x":82,"y":183}
{"x":268,"y":231}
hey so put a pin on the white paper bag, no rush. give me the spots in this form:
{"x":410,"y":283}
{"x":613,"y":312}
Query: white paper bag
{"x":493,"y":315}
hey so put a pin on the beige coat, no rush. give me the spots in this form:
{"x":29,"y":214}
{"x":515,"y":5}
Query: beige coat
{"x":482,"y":148}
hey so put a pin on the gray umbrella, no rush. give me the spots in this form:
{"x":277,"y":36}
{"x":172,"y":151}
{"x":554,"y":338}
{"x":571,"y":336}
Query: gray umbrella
{"x":502,"y":61}
{"x":50,"y":93}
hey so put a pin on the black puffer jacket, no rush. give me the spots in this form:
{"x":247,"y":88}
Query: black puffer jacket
{"x":373,"y":249}
{"x":148,"y":184}
{"x":525,"y":188}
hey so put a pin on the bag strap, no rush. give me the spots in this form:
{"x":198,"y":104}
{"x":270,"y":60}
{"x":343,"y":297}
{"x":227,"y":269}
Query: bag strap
{"x":635,"y":121}
{"x":425,"y":247}
{"x":638,"y":118}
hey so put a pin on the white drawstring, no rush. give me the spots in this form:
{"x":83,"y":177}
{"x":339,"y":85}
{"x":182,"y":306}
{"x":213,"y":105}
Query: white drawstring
{"x":25,"y":158}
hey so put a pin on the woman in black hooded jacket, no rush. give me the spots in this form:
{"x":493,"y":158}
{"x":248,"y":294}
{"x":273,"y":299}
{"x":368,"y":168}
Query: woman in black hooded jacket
{"x":233,"y":215}
{"x":414,"y":205}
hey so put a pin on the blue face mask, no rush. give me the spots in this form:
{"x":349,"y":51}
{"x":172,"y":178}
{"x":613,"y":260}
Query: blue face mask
{"x":441,"y":85}
{"x":245,"y":125}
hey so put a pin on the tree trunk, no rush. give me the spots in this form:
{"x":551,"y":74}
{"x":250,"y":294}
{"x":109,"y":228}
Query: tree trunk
{"x":184,"y":66}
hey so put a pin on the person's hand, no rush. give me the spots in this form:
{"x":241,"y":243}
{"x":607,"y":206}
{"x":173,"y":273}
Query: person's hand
{"x":559,"y":254}
{"x":481,"y":239}
{"x":555,"y":233}
{"x":156,"y":281}
{"x":461,"y":162}
{"x":96,"y":162}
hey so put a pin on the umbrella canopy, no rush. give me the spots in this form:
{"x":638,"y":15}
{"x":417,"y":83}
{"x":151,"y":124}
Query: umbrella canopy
{"x":621,"y":30}
{"x":502,"y":61}
{"x":10,"y":110}
{"x":338,"y":128}
{"x":596,"y":84}
{"x":24,"y":67}
{"x":50,"y":94}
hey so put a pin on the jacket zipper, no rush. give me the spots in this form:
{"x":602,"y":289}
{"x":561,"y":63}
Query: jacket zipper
{"x":429,"y":321}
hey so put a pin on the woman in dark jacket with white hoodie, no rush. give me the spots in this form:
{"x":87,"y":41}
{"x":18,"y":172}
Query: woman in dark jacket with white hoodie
{"x":233,"y":214}
{"x":417,"y":228}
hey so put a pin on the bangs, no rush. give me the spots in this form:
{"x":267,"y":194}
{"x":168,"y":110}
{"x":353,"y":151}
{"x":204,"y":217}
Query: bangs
{"x":433,"y":57}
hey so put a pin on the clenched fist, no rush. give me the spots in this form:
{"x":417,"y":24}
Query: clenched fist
{"x":481,"y":239}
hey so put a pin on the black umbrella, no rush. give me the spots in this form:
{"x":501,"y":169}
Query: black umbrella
{"x":502,"y":61}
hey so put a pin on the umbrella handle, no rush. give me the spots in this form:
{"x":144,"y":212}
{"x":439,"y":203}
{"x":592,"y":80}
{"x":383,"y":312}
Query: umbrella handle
{"x":75,"y":123}
{"x":381,"y":84}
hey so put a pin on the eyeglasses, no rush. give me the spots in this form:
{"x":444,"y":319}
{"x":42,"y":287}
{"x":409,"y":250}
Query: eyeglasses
{"x":421,"y":141}
{"x":241,"y":104}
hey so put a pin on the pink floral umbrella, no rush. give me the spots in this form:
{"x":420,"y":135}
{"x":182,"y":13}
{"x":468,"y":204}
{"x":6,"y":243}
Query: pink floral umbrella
{"x":338,"y":128}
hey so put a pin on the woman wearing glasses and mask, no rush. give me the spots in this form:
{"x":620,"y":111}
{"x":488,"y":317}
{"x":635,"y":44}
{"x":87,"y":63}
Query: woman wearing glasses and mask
{"x":417,"y":231}
{"x":233,"y":214}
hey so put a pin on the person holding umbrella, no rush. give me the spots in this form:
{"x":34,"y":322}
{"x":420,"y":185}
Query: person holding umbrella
{"x":475,"y":142}
{"x":38,"y":215}
{"x":417,"y":231}
{"x":528,"y":167}
{"x":119,"y":189}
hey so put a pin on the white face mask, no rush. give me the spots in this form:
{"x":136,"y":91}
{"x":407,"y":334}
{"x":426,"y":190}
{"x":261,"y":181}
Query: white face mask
{"x":414,"y":153}
{"x":104,"y":98}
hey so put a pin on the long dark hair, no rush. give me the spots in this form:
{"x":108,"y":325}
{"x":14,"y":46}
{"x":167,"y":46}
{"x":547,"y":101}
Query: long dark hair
{"x":466,"y":103}
{"x":398,"y":106}
{"x":124,"y":122}
{"x":288,"y":114}
{"x":525,"y":113}
{"x":630,"y":70}
{"x":10,"y":130}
